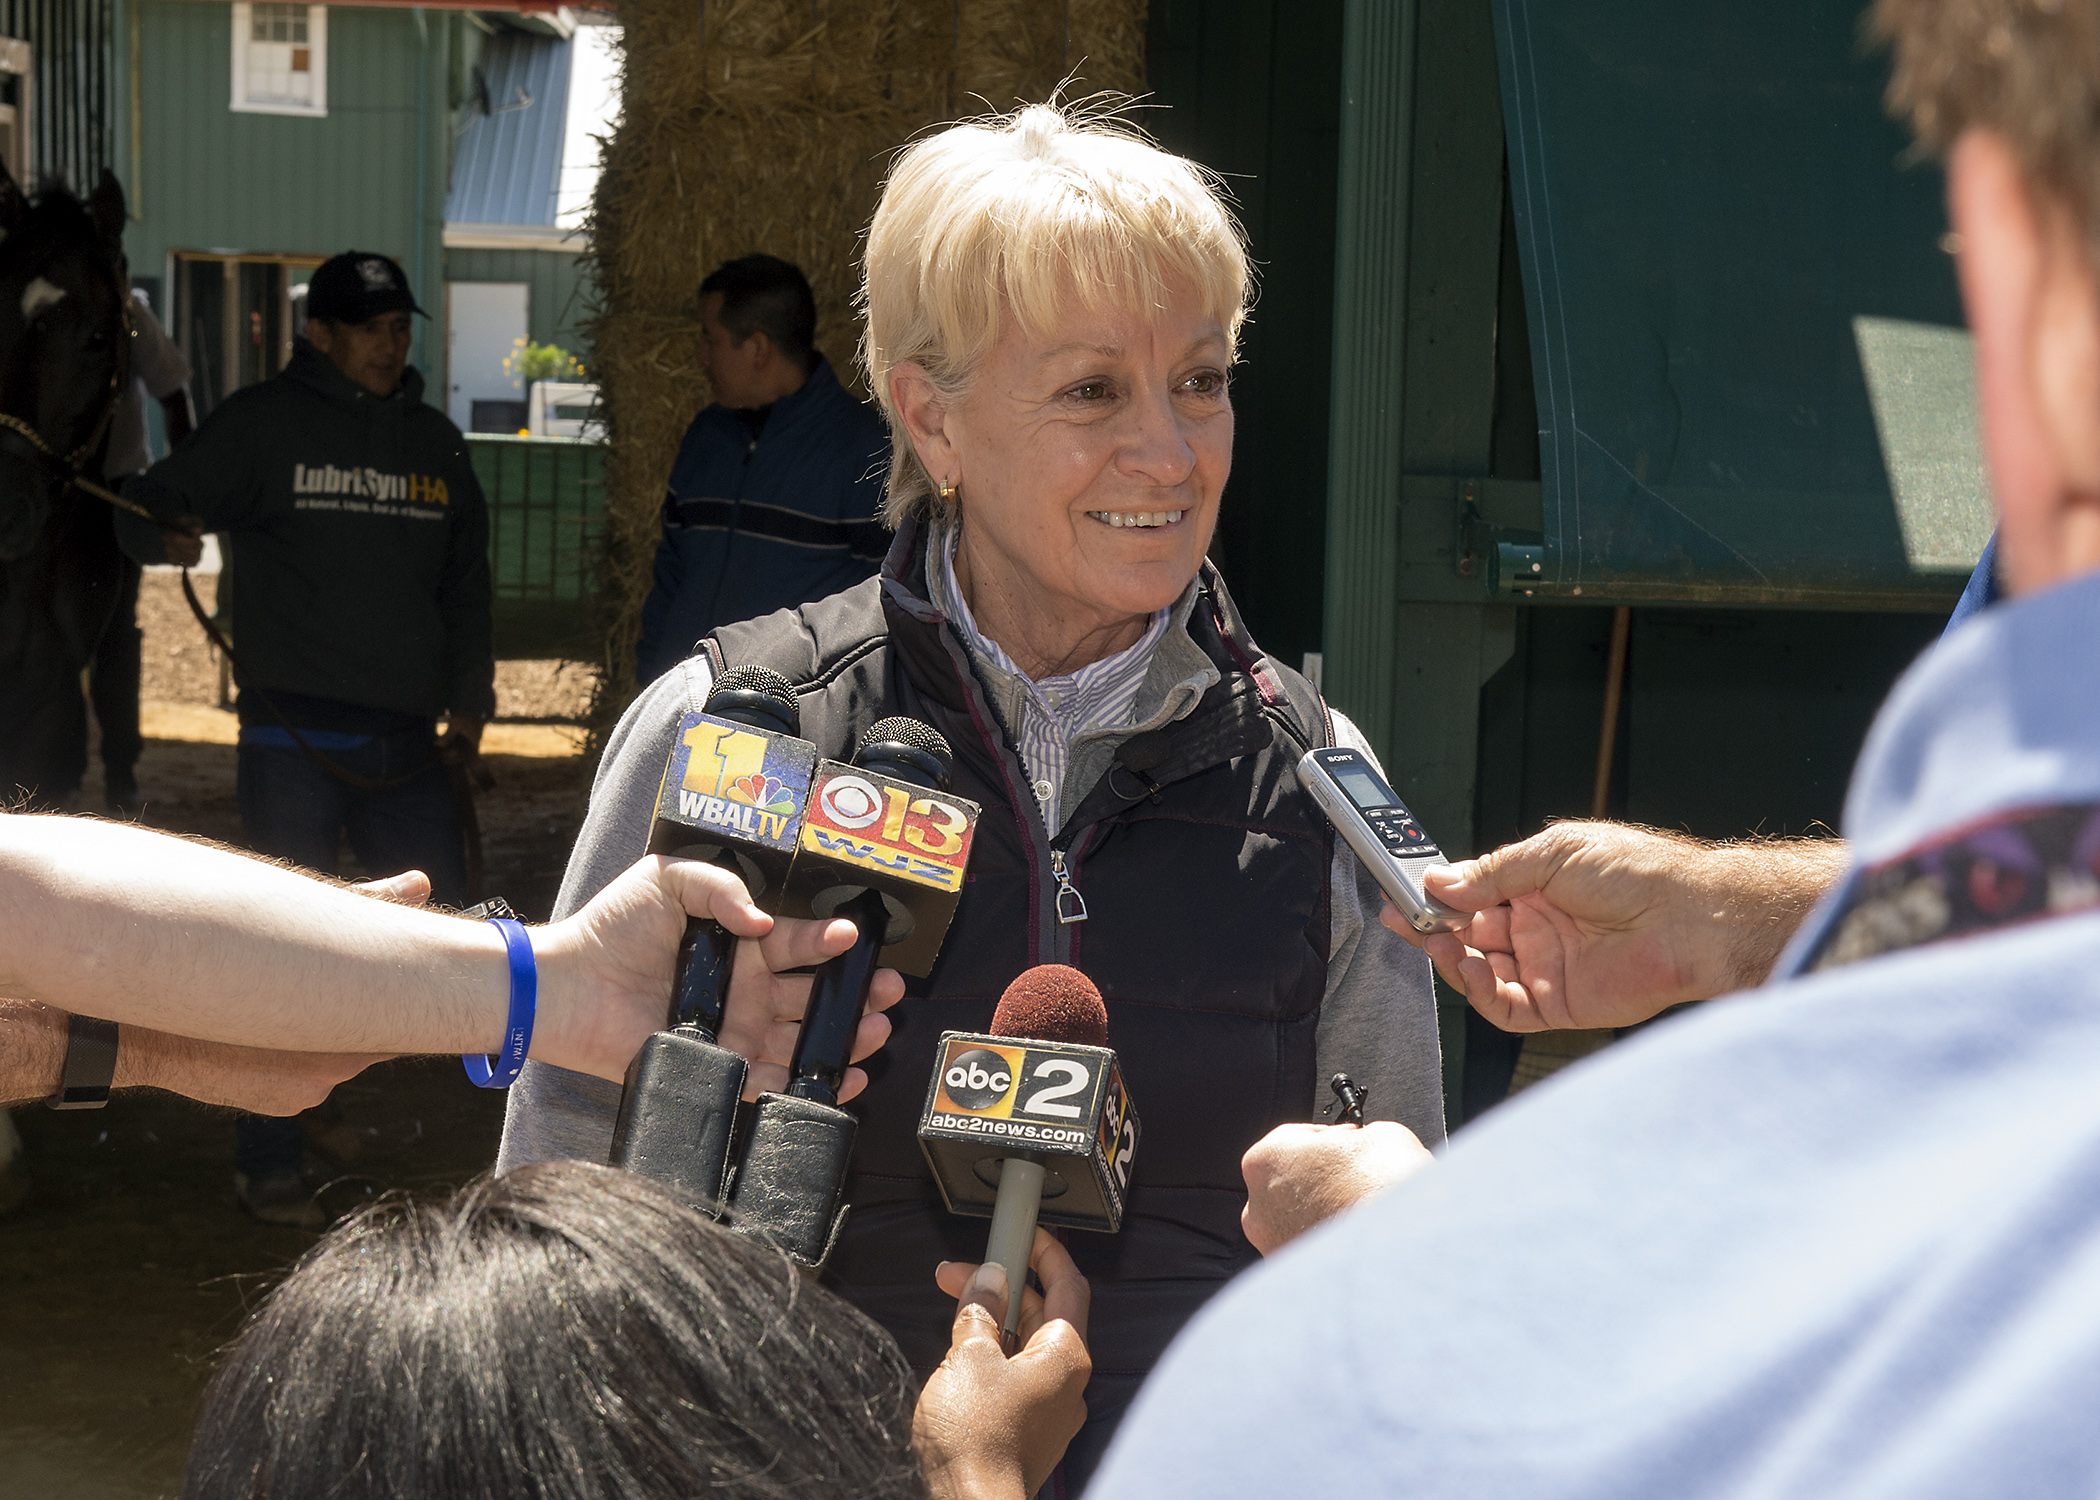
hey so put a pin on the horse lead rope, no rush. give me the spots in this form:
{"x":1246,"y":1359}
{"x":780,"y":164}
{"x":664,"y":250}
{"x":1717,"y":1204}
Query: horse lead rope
{"x":69,"y":471}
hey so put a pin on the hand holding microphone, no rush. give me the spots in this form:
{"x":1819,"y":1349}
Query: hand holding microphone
{"x":732,"y":795}
{"x":988,"y":1424}
{"x":883,"y":846}
{"x":1032,"y":1122}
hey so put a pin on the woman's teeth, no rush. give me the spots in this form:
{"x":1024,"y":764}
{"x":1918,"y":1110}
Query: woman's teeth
{"x":1136,"y":517}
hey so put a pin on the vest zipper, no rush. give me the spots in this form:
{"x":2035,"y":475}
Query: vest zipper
{"x":1071,"y":906}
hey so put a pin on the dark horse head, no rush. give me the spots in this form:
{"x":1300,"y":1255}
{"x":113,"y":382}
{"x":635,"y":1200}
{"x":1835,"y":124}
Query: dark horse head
{"x":63,"y":353}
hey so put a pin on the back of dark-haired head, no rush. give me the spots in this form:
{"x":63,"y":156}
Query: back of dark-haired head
{"x":564,"y":1331}
{"x":765,"y":294}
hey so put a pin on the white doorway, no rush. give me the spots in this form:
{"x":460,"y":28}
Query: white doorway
{"x":484,"y":323}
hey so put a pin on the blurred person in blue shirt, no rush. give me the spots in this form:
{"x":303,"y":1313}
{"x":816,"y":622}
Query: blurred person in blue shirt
{"x":1840,"y":1235}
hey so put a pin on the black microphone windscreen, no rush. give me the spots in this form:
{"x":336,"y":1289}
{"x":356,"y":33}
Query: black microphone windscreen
{"x":742,"y":692}
{"x":756,"y":680}
{"x":1053,"y":1003}
{"x":902,"y":731}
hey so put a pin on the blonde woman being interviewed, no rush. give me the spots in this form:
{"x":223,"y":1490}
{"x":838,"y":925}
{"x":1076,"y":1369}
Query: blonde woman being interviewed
{"x":1052,"y":312}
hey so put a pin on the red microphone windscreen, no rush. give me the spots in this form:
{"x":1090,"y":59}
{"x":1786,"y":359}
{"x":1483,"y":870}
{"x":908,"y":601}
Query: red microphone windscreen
{"x":1052,"y":1003}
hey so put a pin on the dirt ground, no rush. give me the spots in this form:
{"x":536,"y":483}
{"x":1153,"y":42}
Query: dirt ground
{"x":128,"y":1264}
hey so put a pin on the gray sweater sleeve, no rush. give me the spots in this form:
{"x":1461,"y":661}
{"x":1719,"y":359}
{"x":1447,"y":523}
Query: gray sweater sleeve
{"x":555,"y":1114}
{"x":1378,"y":1020}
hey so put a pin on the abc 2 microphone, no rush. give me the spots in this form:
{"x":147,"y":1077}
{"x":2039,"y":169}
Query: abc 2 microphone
{"x":1032,"y":1123}
{"x":884,"y":845}
{"x":732,"y":793}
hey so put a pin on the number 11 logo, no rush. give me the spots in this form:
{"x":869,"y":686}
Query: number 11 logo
{"x":716,"y":755}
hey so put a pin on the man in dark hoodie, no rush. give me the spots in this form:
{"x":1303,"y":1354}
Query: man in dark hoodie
{"x":362,"y":605}
{"x":773,"y":498}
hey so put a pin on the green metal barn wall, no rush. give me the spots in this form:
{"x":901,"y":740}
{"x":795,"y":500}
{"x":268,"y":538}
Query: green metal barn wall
{"x":213,"y":179}
{"x":556,"y":306}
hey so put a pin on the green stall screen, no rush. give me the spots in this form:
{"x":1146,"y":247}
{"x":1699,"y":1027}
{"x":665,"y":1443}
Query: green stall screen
{"x":1753,"y":383}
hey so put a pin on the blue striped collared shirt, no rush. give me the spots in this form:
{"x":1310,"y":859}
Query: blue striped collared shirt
{"x":1056,"y":710}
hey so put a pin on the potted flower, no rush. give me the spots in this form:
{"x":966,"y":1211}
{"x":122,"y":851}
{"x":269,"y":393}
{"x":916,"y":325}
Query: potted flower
{"x":531,"y":366}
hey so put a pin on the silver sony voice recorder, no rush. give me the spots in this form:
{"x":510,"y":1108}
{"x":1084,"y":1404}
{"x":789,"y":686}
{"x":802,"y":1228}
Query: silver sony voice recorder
{"x":1384,"y":834}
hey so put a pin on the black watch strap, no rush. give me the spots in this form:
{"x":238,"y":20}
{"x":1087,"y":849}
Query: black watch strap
{"x":91,"y":1064}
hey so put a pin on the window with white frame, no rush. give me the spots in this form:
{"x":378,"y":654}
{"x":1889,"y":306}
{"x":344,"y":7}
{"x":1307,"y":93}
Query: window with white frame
{"x":280,"y":58}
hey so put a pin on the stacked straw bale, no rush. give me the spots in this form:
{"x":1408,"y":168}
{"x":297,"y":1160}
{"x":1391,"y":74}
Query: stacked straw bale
{"x":767,"y":125}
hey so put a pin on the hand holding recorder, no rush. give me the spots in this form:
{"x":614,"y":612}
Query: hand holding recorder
{"x":1301,"y":1175}
{"x":1592,"y":925}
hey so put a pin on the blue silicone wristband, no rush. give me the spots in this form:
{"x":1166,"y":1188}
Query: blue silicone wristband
{"x":500,"y":1070}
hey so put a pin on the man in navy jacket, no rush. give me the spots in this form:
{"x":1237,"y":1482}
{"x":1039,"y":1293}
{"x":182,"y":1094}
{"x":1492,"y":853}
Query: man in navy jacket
{"x":773,"y":500}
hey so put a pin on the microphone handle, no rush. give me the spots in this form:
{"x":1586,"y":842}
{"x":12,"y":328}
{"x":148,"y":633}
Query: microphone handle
{"x":837,"y":996}
{"x":700,"y":992}
{"x":678,"y":1108}
{"x":1013,"y":1235}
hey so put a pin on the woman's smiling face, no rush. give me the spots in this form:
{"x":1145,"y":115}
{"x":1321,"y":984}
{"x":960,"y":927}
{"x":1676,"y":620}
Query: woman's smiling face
{"x":1090,"y":461}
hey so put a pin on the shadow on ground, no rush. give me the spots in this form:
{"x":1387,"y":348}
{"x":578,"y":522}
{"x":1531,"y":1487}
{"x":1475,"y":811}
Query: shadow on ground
{"x":129,"y":1265}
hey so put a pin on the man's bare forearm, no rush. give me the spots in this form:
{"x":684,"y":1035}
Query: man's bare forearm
{"x":133,"y":927}
{"x":1588,"y":925}
{"x":32,"y":1051}
{"x":1759,"y":890}
{"x":101,"y":919}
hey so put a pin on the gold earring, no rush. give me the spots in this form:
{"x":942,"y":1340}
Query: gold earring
{"x":947,"y":492}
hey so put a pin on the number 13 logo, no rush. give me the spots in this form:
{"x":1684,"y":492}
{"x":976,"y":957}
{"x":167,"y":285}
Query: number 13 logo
{"x":942,"y":838}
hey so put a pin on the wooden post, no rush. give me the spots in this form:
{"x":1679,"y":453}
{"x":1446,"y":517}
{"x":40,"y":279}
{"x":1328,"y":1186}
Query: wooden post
{"x":1608,"y":731}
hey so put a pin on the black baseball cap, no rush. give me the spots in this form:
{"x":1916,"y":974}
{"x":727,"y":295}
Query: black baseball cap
{"x":356,"y":287}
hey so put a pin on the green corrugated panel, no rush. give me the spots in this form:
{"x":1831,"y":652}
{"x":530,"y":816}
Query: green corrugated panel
{"x":1364,"y":454}
{"x":1753,"y":384}
{"x":212,"y":178}
{"x":70,"y":114}
{"x":546,"y":499}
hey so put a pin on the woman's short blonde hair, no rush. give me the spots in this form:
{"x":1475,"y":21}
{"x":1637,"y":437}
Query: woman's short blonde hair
{"x":1033,"y":212}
